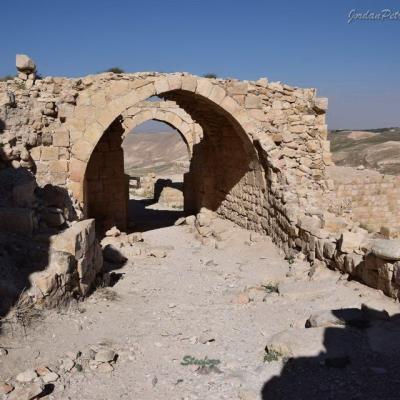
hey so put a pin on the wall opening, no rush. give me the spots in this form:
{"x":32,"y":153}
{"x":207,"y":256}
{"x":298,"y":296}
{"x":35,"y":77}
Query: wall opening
{"x":155,"y":162}
{"x":224,"y":175}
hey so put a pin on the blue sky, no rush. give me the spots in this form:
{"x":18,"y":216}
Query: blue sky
{"x":304,"y":43}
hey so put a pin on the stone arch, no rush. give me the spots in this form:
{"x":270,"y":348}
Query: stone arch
{"x":169,"y":113}
{"x":92,"y":120}
{"x":225,"y":174}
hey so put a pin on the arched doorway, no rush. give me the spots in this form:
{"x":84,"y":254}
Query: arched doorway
{"x":225,"y":173}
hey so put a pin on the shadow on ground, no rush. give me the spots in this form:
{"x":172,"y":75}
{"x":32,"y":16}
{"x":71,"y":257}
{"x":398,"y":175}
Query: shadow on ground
{"x":361,"y":361}
{"x":147,"y":219}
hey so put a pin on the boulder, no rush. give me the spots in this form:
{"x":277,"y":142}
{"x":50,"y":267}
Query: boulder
{"x":171,"y":197}
{"x":297,"y":342}
{"x":386,"y":249}
{"x":24,"y":64}
{"x":343,"y":317}
{"x":105,"y":355}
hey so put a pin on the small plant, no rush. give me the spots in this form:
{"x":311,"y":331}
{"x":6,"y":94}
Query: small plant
{"x":115,"y":70}
{"x":210,"y":75}
{"x":6,"y":78}
{"x":20,"y":85}
{"x":272,"y":355}
{"x":270,"y":287}
{"x":290,"y":260}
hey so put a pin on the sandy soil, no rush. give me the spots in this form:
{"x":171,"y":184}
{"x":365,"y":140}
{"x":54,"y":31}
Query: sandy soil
{"x":192,"y":303}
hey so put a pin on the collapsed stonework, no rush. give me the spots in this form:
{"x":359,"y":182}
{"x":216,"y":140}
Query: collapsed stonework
{"x":259,"y":153}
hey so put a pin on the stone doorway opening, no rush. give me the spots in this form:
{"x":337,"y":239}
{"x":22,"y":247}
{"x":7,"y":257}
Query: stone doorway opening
{"x":155,"y":162}
{"x":225,"y":174}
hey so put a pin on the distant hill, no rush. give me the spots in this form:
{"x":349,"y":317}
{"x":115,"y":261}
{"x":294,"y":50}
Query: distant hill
{"x":162,"y":153}
{"x":377,"y":149}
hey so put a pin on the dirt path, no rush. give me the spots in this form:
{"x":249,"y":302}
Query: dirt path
{"x":194,"y":302}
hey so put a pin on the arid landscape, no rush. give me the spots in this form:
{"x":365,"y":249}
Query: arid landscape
{"x":199,"y":201}
{"x":377,"y":149}
{"x":162,"y":153}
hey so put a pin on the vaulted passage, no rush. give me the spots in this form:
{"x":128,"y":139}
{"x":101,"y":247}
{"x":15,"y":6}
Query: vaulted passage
{"x":224,"y":175}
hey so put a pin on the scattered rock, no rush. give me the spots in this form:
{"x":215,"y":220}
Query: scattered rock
{"x":113,"y":232}
{"x":206,"y":337}
{"x":67,"y":364}
{"x":27,"y":376}
{"x":3,"y":352}
{"x":180,"y":221}
{"x":298,"y":342}
{"x":73,"y":355}
{"x":105,"y":355}
{"x":190,"y":220}
{"x":6,"y":388}
{"x":93,"y":364}
{"x":204,"y":218}
{"x":42,"y":371}
{"x":28,"y":392}
{"x":50,"y":377}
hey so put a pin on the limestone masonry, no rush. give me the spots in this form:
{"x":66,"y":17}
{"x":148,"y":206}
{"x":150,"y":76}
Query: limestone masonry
{"x":259,"y":156}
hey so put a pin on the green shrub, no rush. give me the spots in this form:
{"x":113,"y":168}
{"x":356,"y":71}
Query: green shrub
{"x":115,"y":70}
{"x":210,"y":75}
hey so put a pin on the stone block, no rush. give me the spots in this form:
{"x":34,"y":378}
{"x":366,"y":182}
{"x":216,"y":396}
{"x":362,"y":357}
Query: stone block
{"x":58,"y":166}
{"x":49,"y":153}
{"x":61,"y":138}
{"x":386,"y":249}
{"x":76,"y":239}
{"x":253,"y":101}
{"x":82,"y":150}
{"x":351,"y":241}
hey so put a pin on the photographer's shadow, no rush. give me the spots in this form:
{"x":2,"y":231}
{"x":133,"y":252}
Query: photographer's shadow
{"x":361,"y":361}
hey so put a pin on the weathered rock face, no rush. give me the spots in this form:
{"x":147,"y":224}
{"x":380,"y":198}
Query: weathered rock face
{"x":259,"y":161}
{"x":75,"y":258}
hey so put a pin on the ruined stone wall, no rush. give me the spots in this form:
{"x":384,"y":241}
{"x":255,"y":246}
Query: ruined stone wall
{"x":372,"y":198}
{"x":106,"y":183}
{"x":260,"y":162}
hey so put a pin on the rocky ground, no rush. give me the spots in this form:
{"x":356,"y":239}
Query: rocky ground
{"x":209,"y":313}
